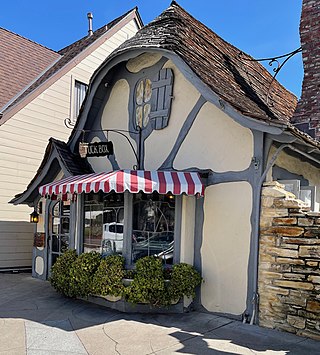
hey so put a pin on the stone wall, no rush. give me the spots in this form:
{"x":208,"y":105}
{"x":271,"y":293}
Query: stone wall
{"x":289,"y":274}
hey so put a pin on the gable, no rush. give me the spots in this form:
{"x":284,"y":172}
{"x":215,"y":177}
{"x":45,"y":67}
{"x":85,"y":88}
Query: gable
{"x":163,"y":115}
{"x":73,"y":55}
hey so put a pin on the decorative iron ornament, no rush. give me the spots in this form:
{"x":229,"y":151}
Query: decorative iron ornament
{"x":273,"y":61}
{"x":69,"y":123}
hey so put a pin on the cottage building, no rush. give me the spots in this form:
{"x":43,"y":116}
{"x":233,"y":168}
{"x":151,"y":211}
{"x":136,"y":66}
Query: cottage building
{"x":191,"y":127}
{"x":40,"y":89}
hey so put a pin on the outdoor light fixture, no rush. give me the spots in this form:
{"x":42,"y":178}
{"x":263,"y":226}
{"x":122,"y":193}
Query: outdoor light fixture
{"x":34,"y":217}
{"x":170,"y":196}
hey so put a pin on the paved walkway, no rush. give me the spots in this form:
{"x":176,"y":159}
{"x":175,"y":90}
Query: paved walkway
{"x":35,"y":320}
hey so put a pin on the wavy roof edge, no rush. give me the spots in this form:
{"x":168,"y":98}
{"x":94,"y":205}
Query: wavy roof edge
{"x":236,"y":77}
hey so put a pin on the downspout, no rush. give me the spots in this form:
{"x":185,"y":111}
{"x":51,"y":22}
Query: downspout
{"x":255,"y":298}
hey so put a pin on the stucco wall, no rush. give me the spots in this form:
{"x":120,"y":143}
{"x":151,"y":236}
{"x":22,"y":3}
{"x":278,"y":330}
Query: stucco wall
{"x":160,"y":143}
{"x":214,"y":141}
{"x":187,"y":229}
{"x":115,"y":116}
{"x":225,"y":247}
{"x":217,"y":142}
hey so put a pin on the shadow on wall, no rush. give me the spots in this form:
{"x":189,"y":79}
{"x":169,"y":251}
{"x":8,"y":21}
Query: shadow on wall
{"x":22,"y":297}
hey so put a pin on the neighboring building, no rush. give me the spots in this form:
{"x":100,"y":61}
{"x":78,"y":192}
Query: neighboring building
{"x":40,"y":89}
{"x":196,"y":128}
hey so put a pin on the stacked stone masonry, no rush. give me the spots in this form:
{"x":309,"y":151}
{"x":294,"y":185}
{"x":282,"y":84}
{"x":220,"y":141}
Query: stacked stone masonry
{"x":289,"y":260}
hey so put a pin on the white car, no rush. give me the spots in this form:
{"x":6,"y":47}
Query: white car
{"x":112,"y":232}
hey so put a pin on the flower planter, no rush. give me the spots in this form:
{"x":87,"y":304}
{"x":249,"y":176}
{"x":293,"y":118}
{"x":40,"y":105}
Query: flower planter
{"x":122,"y":305}
{"x":108,"y":275}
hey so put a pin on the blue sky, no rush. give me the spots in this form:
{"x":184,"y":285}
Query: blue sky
{"x":258,"y":27}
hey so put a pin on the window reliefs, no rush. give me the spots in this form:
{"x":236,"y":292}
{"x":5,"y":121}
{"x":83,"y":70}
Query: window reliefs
{"x":143,"y":93}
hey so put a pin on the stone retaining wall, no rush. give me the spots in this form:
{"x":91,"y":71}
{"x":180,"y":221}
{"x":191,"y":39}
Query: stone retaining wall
{"x":289,"y":274}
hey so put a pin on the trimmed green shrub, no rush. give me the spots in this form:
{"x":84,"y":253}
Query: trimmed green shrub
{"x":148,"y":285}
{"x":184,"y":280}
{"x":81,"y":273}
{"x":79,"y":276}
{"x":129,"y":274}
{"x":60,"y":273}
{"x":107,"y":279}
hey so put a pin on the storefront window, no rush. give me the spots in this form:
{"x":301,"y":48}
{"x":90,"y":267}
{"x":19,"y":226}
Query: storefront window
{"x":153,"y":226}
{"x":153,"y":223}
{"x":59,"y":229}
{"x":103,"y":223}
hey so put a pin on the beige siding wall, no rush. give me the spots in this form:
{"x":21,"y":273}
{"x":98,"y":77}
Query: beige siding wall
{"x":16,"y":244}
{"x":23,"y":139}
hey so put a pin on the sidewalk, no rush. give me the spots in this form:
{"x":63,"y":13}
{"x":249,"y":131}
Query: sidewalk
{"x":35,"y":320}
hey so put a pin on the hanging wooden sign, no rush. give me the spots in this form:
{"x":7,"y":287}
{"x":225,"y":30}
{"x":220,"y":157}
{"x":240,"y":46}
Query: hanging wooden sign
{"x":99,"y":149}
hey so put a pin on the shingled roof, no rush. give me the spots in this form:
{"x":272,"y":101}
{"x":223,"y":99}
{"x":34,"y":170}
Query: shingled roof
{"x":68,"y":53}
{"x":21,"y":62}
{"x":227,"y":71}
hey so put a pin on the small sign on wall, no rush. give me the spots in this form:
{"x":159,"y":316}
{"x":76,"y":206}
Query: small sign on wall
{"x":39,"y":240}
{"x":99,"y":149}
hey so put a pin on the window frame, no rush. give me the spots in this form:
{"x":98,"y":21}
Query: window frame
{"x":313,"y":195}
{"x":74,"y":111}
{"x":128,"y":227}
{"x":59,"y":234}
{"x":295,"y":186}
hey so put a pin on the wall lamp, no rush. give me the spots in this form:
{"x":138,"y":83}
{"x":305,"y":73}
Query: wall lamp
{"x":34,"y":217}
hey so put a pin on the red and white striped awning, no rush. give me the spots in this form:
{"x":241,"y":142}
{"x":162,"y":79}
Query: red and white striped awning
{"x":133,"y":181}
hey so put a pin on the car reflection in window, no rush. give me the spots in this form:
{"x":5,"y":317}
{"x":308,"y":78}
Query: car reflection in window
{"x":158,"y":244}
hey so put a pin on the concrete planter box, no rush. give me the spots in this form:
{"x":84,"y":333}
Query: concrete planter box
{"x":121,"y":305}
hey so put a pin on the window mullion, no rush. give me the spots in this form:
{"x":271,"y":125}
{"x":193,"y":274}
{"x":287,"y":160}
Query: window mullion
{"x":127,"y":229}
{"x":177,"y":230}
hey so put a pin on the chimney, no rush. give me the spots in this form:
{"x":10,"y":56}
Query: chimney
{"x":307,"y":114}
{"x":90,"y":17}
